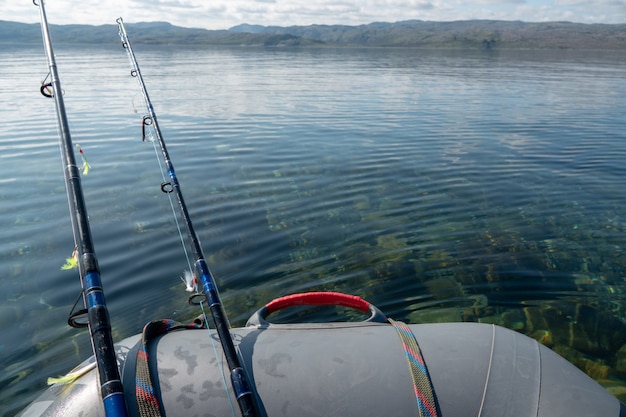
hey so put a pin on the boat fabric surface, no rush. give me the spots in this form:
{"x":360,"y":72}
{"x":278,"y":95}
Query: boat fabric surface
{"x":350,"y":369}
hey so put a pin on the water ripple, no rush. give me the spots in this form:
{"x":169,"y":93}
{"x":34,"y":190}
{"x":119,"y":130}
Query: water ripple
{"x":440,"y":185}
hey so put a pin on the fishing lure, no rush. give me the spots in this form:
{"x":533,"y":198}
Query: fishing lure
{"x":86,"y":165}
{"x":72,"y":376}
{"x":71,"y":262}
{"x":191,"y":283}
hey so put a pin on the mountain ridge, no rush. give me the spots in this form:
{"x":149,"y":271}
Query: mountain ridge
{"x":485,"y":34}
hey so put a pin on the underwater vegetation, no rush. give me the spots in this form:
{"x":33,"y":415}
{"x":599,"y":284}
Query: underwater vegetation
{"x":535,"y":273}
{"x":451,"y":252}
{"x":557,"y":279}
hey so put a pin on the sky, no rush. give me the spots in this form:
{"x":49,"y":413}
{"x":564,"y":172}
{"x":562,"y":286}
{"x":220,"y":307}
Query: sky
{"x":223,"y":14}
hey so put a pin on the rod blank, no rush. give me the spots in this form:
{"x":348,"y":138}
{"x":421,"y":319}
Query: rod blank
{"x":93,"y":295}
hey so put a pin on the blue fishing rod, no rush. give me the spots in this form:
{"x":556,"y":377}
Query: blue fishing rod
{"x":245,"y":397}
{"x":92,"y":293}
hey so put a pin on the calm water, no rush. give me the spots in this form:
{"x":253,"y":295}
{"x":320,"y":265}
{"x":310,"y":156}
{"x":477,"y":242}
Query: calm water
{"x":441,"y":186}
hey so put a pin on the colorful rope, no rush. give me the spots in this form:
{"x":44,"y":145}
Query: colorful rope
{"x":422,"y":386}
{"x":148,"y":403}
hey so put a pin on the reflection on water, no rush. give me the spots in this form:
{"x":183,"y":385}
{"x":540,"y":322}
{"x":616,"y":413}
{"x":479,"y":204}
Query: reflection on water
{"x":441,"y":186}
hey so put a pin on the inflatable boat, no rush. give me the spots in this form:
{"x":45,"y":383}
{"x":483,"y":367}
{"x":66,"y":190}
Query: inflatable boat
{"x":341,"y":369}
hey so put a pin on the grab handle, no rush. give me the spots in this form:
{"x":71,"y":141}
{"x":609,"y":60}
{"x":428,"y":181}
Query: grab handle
{"x":317,"y":299}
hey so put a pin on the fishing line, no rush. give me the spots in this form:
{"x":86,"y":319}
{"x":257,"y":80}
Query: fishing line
{"x":147,"y":129}
{"x":219,"y":358}
{"x":133,"y":103}
{"x":246,"y":399}
{"x":172,"y":206}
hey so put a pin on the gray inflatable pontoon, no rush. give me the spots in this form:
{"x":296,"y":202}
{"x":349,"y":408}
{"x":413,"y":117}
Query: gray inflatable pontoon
{"x":347,"y":369}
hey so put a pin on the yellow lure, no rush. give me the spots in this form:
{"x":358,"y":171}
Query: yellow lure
{"x":72,"y":376}
{"x":86,"y":165}
{"x":71,"y":262}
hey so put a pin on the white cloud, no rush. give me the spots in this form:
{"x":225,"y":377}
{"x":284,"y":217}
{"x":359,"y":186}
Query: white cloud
{"x":500,"y":2}
{"x":222,"y":14}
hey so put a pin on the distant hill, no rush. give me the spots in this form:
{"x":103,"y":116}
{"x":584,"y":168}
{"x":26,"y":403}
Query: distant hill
{"x":470,"y":33}
{"x":486,"y":34}
{"x":149,"y":33}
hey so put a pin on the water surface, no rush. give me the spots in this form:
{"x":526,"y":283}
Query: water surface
{"x":439,"y":185}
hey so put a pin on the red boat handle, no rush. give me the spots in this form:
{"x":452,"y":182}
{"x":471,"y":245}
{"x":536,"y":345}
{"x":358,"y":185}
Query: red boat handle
{"x":317,"y":299}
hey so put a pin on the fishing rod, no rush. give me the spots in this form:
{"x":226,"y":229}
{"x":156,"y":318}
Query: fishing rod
{"x":246,"y":399}
{"x":92,"y":293}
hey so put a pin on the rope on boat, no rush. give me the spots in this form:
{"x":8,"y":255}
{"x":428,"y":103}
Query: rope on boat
{"x":422,"y":386}
{"x":148,"y":402}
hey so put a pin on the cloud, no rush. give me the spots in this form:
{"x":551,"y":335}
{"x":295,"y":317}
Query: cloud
{"x":561,"y":3}
{"x":499,"y":2}
{"x":590,"y":11}
{"x":222,"y":14}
